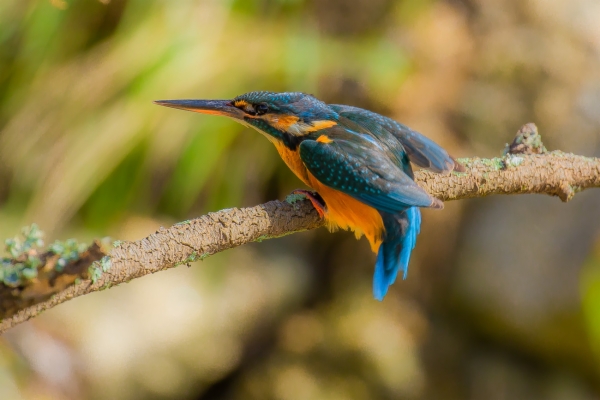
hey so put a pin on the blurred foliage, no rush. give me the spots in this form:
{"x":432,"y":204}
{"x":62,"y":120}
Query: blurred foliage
{"x":500,"y":309}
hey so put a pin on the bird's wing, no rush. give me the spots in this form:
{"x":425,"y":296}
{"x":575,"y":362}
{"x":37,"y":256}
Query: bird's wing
{"x":360,"y":168}
{"x":382,"y":137}
{"x":421,"y":150}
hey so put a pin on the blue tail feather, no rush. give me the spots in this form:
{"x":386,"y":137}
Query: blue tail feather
{"x":401,"y":232}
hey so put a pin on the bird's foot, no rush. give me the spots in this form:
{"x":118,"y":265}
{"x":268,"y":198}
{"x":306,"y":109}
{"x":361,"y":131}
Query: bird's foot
{"x":315,"y":198}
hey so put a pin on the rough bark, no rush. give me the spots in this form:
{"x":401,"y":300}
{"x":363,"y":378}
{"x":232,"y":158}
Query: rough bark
{"x":556,"y":174}
{"x":526,"y":168}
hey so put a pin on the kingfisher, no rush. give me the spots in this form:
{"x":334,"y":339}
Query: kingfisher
{"x":357,"y":163}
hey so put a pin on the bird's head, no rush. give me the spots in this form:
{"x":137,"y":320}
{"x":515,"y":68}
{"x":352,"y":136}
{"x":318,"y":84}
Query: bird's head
{"x":283,"y":117}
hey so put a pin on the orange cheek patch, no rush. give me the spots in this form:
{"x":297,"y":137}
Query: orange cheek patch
{"x":318,"y":125}
{"x":240,"y":103}
{"x":324,"y":139}
{"x":282,"y":123}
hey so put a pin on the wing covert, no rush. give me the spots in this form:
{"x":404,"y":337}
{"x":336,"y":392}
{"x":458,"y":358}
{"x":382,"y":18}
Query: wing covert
{"x":421,"y":150}
{"x":365,"y":173}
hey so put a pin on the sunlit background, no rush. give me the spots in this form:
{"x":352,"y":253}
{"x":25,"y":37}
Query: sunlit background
{"x":503,"y":296}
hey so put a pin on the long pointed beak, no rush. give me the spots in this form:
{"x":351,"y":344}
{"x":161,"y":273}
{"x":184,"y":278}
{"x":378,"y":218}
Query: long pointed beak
{"x":214,"y":107}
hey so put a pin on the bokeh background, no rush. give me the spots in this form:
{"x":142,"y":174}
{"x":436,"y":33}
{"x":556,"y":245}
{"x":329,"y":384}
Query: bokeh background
{"x":503,"y":295}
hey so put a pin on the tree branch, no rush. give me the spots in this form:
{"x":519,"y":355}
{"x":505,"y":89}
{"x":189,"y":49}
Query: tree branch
{"x":525,"y":168}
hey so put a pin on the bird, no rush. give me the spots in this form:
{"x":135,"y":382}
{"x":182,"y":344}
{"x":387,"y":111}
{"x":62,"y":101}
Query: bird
{"x":357,"y":163}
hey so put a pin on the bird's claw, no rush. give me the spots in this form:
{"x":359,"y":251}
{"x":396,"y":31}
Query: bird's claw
{"x":314,"y":197}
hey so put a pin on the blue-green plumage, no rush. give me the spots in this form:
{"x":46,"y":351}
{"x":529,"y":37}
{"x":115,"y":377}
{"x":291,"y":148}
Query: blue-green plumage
{"x":354,"y":165}
{"x":401,"y":232}
{"x":402,"y":227}
{"x":350,"y":152}
{"x":421,"y":150}
{"x":370,"y":164}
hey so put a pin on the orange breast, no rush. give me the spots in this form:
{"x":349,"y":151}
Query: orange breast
{"x":343,"y":211}
{"x":293,"y":161}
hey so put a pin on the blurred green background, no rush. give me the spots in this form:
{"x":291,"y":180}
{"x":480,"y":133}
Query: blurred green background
{"x":503,"y":296}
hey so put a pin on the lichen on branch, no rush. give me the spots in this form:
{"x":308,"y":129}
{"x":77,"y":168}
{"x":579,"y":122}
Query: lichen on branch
{"x":34,"y":280}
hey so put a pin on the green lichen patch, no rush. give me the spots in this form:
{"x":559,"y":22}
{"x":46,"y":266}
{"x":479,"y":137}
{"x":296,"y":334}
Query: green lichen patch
{"x":105,"y":263}
{"x":267,"y":237}
{"x":23,"y":261}
{"x":97,"y":268}
{"x":68,"y":251}
{"x":512,"y":160}
{"x":261,"y":238}
{"x":95,"y":271}
{"x":535,"y":142}
{"x":192,"y":257}
{"x":11,"y":274}
{"x":31,"y":237}
{"x":527,"y":141}
{"x":493,"y":163}
{"x":294,"y":198}
{"x":28,"y":264}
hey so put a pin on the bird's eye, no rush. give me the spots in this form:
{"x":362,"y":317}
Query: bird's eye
{"x":261,"y":108}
